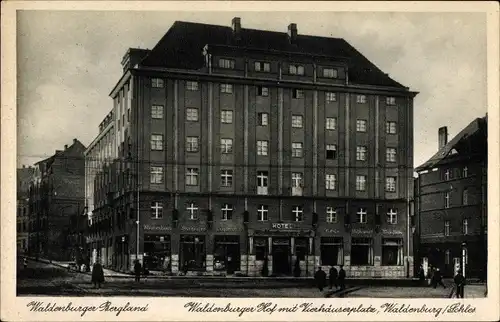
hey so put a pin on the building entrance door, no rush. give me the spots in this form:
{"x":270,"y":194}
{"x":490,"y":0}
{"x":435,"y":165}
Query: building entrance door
{"x":281,"y":256}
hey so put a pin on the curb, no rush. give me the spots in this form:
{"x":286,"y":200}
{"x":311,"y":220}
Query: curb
{"x":341,"y":293}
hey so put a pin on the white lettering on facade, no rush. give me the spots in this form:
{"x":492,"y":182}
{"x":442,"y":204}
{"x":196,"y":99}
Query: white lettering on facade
{"x":281,"y":226}
{"x":193,"y":229}
{"x":160,"y":227}
{"x":362,"y":231}
{"x":391,"y":232}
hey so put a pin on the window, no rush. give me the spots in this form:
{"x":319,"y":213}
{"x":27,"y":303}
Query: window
{"x":157,"y":142}
{"x":330,"y":181}
{"x":297,"y":183}
{"x":296,"y":149}
{"x":156,"y":210}
{"x":465,"y":172}
{"x":192,"y":209}
{"x":191,"y":86}
{"x":360,"y":183}
{"x":465,"y":226}
{"x":262,"y":182}
{"x":263,"y":119}
{"x":361,"y":215}
{"x":156,"y":174}
{"x":331,"y":123}
{"x":192,"y":114}
{"x":157,"y":82}
{"x":262,"y":66}
{"x":298,"y":93}
{"x":191,"y":176}
{"x":465,"y":197}
{"x":447,"y":257}
{"x":360,"y":98}
{"x":331,"y":151}
{"x":330,"y":73}
{"x":331,"y":215}
{"x":392,"y":216}
{"x":262,"y":212}
{"x":297,"y":121}
{"x":296,"y":70}
{"x":156,"y":112}
{"x":446,"y":228}
{"x":331,"y":97}
{"x":262,"y":91}
{"x":262,"y":147}
{"x":226,"y":117}
{"x":390,"y":184}
{"x":447,"y":175}
{"x":226,"y":63}
{"x":390,"y":100}
{"x":227,"y":212}
{"x":226,"y":88}
{"x":298,"y":213}
{"x":392,"y":251}
{"x":390,"y":155}
{"x":192,"y":144}
{"x":332,"y":251}
{"x":390,"y":127}
{"x":226,"y":178}
{"x":361,"y":251}
{"x":226,"y":146}
{"x":361,"y":153}
{"x":261,"y":247}
{"x":447,"y":200}
{"x":361,"y":125}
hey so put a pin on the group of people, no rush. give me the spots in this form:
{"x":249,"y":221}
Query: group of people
{"x":98,"y":273}
{"x":435,"y":278}
{"x":335,"y":277}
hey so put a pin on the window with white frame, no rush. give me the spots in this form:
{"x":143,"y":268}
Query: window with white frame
{"x":331,"y":97}
{"x":360,"y":183}
{"x":390,"y":184}
{"x":226,"y":178}
{"x":296,"y":69}
{"x":392,"y":216}
{"x":447,"y":196}
{"x":226,"y":146}
{"x":465,"y":226}
{"x":330,"y":73}
{"x":465,"y":171}
{"x":156,"y":174}
{"x":263,"y":119}
{"x":192,"y":210}
{"x":226,"y":63}
{"x":262,"y":91}
{"x":192,"y":114}
{"x":262,"y":147}
{"x":192,"y":176}
{"x":447,"y":228}
{"x":361,"y":215}
{"x":192,"y":144}
{"x":226,"y":88}
{"x":390,"y":154}
{"x":157,"y":142}
{"x":262,"y":182}
{"x":298,"y":93}
{"x":331,"y":123}
{"x":157,"y":83}
{"x":226,"y":116}
{"x":297,"y":121}
{"x":227,"y":212}
{"x":390,"y":100}
{"x":390,"y":127}
{"x":331,"y":215}
{"x":330,"y":182}
{"x":156,"y":112}
{"x":262,"y":66}
{"x":447,"y":257}
{"x":447,"y":175}
{"x":297,"y":180}
{"x":156,"y":210}
{"x":360,"y":125}
{"x":465,"y":197}
{"x":392,"y":251}
{"x":192,"y":86}
{"x":361,"y":99}
{"x":331,"y":151}
{"x":298,"y":213}
{"x":262,"y":213}
{"x":296,"y":149}
{"x":361,"y":153}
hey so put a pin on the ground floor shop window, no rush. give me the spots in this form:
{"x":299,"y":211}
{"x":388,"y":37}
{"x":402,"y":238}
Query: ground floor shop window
{"x":227,"y":253}
{"x":301,"y":248}
{"x":332,"y":251}
{"x":192,"y":252}
{"x":362,"y":251}
{"x":157,"y":252}
{"x":261,"y":247}
{"x":392,"y":251}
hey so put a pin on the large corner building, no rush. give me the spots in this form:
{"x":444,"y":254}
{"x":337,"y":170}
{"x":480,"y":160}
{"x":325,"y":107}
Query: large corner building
{"x":252,"y":152}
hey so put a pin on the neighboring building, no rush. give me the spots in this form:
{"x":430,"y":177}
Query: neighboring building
{"x":56,"y":201}
{"x":451,"y":191}
{"x":240,"y":148}
{"x":24,"y":178}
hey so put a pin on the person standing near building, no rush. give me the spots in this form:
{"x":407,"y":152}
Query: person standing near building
{"x":341,"y":278}
{"x":459,"y":284}
{"x":333,"y":277}
{"x":137,"y":270}
{"x":437,"y":279}
{"x":97,"y":274}
{"x":320,"y":278}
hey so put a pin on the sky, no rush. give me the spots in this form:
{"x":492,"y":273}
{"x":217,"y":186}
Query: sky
{"x":69,"y":61}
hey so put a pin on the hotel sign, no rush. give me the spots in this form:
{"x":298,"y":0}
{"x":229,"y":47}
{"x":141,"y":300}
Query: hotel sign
{"x":157,"y":227}
{"x":283,"y":226}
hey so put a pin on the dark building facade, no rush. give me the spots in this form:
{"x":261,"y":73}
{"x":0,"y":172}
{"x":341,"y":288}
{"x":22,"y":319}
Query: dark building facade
{"x":253,"y":152}
{"x":451,"y":202}
{"x":24,"y":178}
{"x":56,"y":201}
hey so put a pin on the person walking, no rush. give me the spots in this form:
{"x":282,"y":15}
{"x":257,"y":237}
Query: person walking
{"x":341,"y":278}
{"x":320,"y":278}
{"x":438,"y":279}
{"x":459,"y":284}
{"x":137,"y":270}
{"x":97,"y":274}
{"x":421,"y":275}
{"x":333,"y":277}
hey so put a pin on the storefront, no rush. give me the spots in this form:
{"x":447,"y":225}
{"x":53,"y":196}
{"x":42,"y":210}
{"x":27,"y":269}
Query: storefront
{"x":227,"y":253}
{"x":192,"y":254}
{"x":157,"y":251}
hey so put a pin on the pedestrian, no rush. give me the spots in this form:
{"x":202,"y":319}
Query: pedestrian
{"x":421,"y":275}
{"x":137,"y":270}
{"x":438,"y":279}
{"x":459,"y":284}
{"x":430,"y":276}
{"x":97,"y":274}
{"x":320,"y":278}
{"x":341,"y":278}
{"x":25,"y":263}
{"x":333,"y":275}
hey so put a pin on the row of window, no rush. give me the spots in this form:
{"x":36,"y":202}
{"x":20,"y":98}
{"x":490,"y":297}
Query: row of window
{"x":465,"y":198}
{"x":465,"y":227}
{"x":226,"y":213}
{"x":448,"y":173}
{"x":226,"y":176}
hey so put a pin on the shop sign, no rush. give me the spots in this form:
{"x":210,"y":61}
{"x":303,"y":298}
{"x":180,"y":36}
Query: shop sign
{"x":331,"y":231}
{"x":283,"y":226}
{"x":157,"y":227}
{"x":391,"y":232}
{"x":227,"y":229}
{"x":193,"y":229}
{"x":362,"y":231}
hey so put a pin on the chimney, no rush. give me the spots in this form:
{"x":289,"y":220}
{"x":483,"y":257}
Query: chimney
{"x":236,"y":26}
{"x":292,"y":33}
{"x":65,"y":147}
{"x":74,"y":141}
{"x":442,"y":136}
